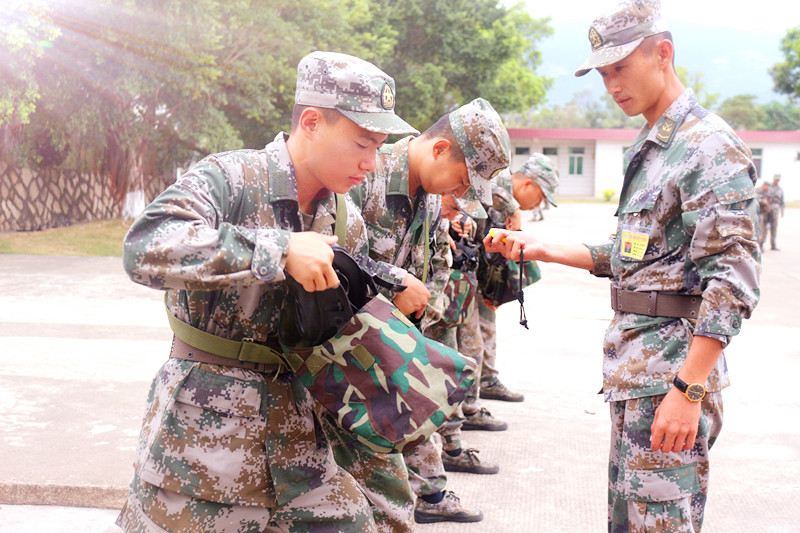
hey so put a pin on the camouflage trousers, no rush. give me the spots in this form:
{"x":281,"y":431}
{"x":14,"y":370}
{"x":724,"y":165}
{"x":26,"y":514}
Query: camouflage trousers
{"x":656,"y":491}
{"x":227,"y":449}
{"x":488,"y":322}
{"x":426,"y":474}
{"x":382,"y":476}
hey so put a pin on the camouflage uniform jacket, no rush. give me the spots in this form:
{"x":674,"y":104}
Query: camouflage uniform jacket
{"x":219,"y":237}
{"x":396,"y":223}
{"x":689,"y":185}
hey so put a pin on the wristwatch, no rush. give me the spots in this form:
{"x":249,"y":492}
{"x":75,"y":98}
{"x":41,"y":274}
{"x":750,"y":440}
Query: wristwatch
{"x":694,"y":392}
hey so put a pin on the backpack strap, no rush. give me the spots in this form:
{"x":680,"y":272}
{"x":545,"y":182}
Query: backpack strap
{"x":340,"y":228}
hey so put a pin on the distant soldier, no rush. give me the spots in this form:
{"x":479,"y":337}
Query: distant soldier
{"x":684,"y":266}
{"x":230,"y":440}
{"x":776,"y":205}
{"x":764,"y":212}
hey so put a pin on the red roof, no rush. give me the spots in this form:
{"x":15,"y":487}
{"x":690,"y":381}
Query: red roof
{"x":590,"y":134}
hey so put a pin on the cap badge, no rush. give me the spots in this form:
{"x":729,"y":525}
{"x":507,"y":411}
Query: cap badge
{"x":595,"y":38}
{"x":387,"y":97}
{"x":665,"y":130}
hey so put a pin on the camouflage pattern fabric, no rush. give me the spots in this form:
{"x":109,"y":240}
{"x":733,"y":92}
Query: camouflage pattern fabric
{"x":426,"y":473}
{"x":657,"y":491}
{"x":396,"y":223}
{"x":499,"y":284}
{"x":217,"y":239}
{"x":487,"y":318}
{"x":357,"y":89}
{"x":414,"y":383}
{"x":458,"y":298}
{"x":383,"y":477}
{"x":614,"y":35}
{"x":484,"y":141}
{"x":690,"y":195}
{"x":228,"y":449}
{"x":687,"y":219}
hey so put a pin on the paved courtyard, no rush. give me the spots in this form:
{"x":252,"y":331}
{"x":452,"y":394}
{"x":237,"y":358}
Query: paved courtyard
{"x":79,"y":344}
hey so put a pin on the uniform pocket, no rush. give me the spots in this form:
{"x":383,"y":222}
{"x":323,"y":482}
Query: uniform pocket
{"x":661,"y":485}
{"x":210,"y":443}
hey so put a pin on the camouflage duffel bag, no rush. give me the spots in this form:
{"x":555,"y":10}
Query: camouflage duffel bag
{"x":459,"y":293}
{"x":367,"y":364}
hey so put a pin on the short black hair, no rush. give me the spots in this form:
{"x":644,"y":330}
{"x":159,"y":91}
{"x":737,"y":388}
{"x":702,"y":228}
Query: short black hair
{"x":330,"y":115}
{"x":442,"y":129}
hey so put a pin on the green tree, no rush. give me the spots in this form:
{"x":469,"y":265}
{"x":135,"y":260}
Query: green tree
{"x":695,"y":82}
{"x":448,"y":52}
{"x":786,"y":74}
{"x":781,"y":116}
{"x":741,"y":112}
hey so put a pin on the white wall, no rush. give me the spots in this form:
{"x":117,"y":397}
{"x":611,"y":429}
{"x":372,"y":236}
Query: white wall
{"x":781,"y":159}
{"x":608,"y":167}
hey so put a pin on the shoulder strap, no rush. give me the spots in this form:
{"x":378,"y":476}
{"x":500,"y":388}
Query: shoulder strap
{"x":340,"y":228}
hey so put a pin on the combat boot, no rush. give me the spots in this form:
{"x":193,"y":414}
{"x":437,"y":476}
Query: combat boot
{"x":447,"y":510}
{"x":483,"y":420}
{"x":467,"y":461}
{"x":493,"y":389}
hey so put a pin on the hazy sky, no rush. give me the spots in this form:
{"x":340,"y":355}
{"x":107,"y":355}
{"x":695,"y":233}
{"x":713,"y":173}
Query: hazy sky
{"x":732,"y":47}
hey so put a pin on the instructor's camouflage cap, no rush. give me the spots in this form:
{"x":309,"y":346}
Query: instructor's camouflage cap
{"x":616,"y":34}
{"x":484,"y":141}
{"x":539,"y":168}
{"x":357,"y":89}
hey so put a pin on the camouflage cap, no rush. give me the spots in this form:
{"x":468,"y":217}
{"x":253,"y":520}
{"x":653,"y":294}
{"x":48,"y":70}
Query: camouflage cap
{"x":614,"y":35}
{"x":484,"y":141}
{"x":472,"y":207}
{"x":540,"y":169}
{"x":357,"y":89}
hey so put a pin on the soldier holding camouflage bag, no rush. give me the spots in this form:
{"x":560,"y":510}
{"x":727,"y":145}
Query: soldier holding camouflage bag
{"x":230,"y":440}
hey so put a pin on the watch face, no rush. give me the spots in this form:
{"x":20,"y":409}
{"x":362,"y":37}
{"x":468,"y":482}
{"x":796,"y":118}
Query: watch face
{"x":695,"y":392}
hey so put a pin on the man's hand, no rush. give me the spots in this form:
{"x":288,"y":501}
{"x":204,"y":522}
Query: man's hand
{"x":509,"y":243}
{"x":675,"y":424}
{"x":462,"y":225}
{"x":310,"y":260}
{"x":414,"y":298}
{"x":514,"y":222}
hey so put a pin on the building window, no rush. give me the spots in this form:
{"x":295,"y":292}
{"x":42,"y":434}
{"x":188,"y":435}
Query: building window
{"x":757,"y":156}
{"x":550,"y":151}
{"x":576,"y":161}
{"x":522,"y":150}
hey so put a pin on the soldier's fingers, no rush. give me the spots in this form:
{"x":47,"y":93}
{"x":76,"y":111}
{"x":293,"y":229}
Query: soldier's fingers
{"x":329,"y":277}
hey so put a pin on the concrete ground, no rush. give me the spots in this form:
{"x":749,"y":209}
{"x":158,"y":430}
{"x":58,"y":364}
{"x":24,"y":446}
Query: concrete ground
{"x":79,"y":344}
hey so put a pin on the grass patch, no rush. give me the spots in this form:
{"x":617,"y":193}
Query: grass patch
{"x":99,"y":238}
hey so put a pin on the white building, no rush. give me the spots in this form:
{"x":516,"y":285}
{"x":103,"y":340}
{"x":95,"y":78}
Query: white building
{"x":589,"y":161}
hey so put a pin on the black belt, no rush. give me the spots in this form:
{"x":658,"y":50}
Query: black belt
{"x":655,"y":303}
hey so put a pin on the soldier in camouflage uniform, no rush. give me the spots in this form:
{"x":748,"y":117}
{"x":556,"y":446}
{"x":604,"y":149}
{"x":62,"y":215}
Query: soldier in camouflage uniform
{"x":401,"y":205}
{"x":535,"y":181}
{"x":684,"y":267}
{"x":775,"y":207}
{"x":230,"y":441}
{"x":459,"y":328}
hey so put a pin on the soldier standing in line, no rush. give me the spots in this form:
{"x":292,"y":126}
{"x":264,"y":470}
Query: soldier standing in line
{"x":534,"y":182}
{"x":459,"y":328}
{"x":764,"y":214}
{"x":684,"y":267}
{"x":230,"y":440}
{"x":776,"y":204}
{"x":401,"y":205}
